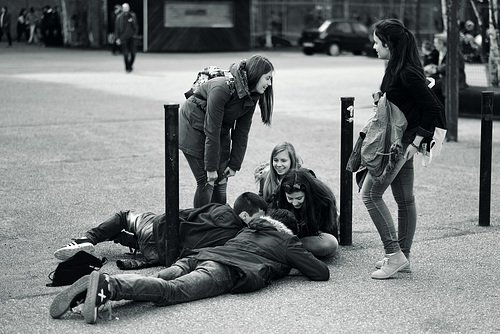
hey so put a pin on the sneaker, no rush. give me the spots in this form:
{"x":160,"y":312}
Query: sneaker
{"x":69,"y":298}
{"x":406,"y":270}
{"x":391,"y":264}
{"x":82,"y":244}
{"x":98,"y":294}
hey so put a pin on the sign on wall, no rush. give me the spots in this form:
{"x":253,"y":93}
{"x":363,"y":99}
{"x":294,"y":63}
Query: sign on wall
{"x":193,"y":14}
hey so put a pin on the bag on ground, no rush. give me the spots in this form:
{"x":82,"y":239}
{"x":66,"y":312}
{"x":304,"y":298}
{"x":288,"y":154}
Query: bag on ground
{"x":79,"y":265}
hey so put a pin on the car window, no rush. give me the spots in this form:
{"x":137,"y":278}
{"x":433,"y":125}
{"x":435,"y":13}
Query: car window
{"x":342,"y":27}
{"x":324,"y":26}
{"x":359,"y":28}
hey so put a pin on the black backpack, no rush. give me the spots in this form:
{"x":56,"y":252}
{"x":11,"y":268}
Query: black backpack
{"x":79,"y":265}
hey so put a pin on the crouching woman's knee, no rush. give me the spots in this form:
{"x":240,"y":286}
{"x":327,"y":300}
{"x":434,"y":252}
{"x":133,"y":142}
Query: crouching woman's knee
{"x":322,"y":245}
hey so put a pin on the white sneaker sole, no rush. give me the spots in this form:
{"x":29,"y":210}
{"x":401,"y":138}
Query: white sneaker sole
{"x":66,"y":252}
{"x":406,"y":270}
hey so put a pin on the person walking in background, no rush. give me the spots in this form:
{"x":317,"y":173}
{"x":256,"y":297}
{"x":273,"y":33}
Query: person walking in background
{"x":405,"y":85}
{"x":215,"y":121}
{"x":429,"y":54}
{"x":126,"y":29}
{"x":22,"y":26}
{"x":315,"y":208}
{"x":5,"y":25}
{"x":32,"y":22}
{"x":438,"y":70}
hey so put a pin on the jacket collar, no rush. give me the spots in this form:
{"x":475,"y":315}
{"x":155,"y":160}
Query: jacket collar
{"x":267,"y":222}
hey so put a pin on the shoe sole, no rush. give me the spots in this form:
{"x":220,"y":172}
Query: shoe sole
{"x":405,"y":270}
{"x":65,"y":253}
{"x":89,"y":308}
{"x":64,"y":300}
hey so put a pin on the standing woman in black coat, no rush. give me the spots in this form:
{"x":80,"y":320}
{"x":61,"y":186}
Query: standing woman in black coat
{"x":215,"y":121}
{"x":405,"y":85}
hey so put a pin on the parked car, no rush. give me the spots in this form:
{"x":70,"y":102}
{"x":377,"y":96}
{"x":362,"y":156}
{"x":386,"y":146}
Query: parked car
{"x":335,"y":36}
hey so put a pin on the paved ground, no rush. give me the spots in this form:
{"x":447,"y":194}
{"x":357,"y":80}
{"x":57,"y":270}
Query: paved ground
{"x":80,"y":139}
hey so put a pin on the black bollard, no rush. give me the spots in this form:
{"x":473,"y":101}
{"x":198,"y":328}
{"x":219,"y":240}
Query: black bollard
{"x":346,"y":145}
{"x":485,"y":160}
{"x":171,"y":183}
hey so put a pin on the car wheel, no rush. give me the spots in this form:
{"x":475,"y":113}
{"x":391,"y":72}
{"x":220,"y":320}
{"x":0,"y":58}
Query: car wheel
{"x":333,"y":50}
{"x":308,"y":51}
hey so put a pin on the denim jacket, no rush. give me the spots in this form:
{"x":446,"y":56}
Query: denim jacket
{"x":379,"y":144}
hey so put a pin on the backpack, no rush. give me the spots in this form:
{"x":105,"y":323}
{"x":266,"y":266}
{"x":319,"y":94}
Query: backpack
{"x":206,"y":74}
{"x":77,"y":266}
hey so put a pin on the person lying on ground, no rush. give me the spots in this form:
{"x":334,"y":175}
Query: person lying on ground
{"x":266,"y":250}
{"x":208,"y":226}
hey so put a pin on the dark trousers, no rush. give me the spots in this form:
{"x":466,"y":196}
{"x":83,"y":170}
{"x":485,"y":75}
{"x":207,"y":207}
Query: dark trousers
{"x":205,"y":191}
{"x":129,"y":50}
{"x":129,"y":229}
{"x":7,"y":32}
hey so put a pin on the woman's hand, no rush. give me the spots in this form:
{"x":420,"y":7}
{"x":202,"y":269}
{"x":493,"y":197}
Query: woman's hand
{"x":410,"y":151}
{"x":211,"y":177}
{"x":228,"y":172}
{"x":413,"y":147}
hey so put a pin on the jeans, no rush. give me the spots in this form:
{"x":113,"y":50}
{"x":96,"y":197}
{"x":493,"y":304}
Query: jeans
{"x":322,"y":245}
{"x":206,"y":192}
{"x":129,"y":229}
{"x":401,"y":181}
{"x":186,"y":280}
{"x":129,"y":51}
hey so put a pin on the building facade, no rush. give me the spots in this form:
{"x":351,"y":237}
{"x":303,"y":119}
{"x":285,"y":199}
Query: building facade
{"x":230,"y":25}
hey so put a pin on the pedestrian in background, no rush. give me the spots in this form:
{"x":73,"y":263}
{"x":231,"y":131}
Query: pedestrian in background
{"x":126,"y":29}
{"x":215,"y":121}
{"x":438,"y":70}
{"x":32,"y":22}
{"x":5,"y":25}
{"x":22,"y":25}
{"x":405,"y":85}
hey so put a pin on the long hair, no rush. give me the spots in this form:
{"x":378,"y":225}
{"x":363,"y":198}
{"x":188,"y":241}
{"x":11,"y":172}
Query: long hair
{"x":256,"y":66}
{"x":319,"y":211}
{"x":272,"y":181}
{"x":404,"y":59}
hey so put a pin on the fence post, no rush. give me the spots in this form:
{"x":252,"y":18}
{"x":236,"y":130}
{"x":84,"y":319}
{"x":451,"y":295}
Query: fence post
{"x":485,"y":160}
{"x":171,"y":182}
{"x":346,"y":144}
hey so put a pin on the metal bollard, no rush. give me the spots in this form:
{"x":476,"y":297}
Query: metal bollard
{"x":171,"y":182}
{"x":346,"y":145}
{"x":485,"y":160}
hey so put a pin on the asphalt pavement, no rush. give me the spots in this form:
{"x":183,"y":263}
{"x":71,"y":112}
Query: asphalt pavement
{"x":81,"y":139}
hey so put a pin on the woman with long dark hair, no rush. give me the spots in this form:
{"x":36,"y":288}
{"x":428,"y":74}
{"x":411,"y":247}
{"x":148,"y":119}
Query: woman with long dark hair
{"x":405,"y":85}
{"x":315,"y":208}
{"x":215,"y":121}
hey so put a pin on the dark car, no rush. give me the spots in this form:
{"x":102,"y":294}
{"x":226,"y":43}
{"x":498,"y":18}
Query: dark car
{"x":335,"y":36}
